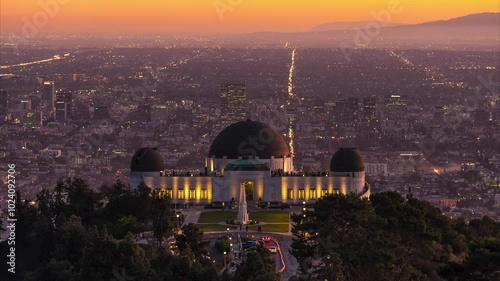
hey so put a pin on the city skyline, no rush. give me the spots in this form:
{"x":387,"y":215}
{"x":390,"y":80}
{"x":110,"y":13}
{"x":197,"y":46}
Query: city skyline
{"x":237,"y":140}
{"x":219,"y":16}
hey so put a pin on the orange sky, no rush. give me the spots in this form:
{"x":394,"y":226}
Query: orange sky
{"x":201,"y":16}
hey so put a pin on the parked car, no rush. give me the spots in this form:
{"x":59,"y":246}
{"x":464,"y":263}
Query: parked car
{"x":273,"y":249}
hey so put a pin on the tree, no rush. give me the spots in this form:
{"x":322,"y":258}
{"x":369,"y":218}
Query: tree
{"x":347,"y":238}
{"x":257,"y":266}
{"x":122,"y":201}
{"x":184,"y":267}
{"x":190,"y":238}
{"x":222,"y":244}
{"x":82,"y":200}
{"x":72,"y":242}
{"x":54,"y":271}
{"x":481,"y":263}
{"x":143,"y":202}
{"x":161,"y":214}
{"x":105,"y":257}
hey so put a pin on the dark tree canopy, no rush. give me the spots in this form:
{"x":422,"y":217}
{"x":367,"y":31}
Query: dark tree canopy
{"x":347,"y":238}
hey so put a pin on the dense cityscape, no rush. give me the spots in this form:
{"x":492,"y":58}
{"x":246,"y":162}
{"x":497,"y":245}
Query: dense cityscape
{"x":432,"y":128}
{"x":351,"y":151}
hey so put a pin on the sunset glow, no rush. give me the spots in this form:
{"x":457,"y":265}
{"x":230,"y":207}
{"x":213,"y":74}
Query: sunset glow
{"x":219,"y":16}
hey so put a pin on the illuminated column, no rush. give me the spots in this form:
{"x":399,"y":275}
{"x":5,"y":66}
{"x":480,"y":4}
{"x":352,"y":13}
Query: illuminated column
{"x":284,"y":163}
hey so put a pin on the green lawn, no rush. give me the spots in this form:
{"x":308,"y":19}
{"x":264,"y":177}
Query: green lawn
{"x":214,"y":227}
{"x":269,"y":216}
{"x":217,"y":216}
{"x":271,"y":228}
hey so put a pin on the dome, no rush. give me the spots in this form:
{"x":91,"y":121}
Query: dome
{"x":147,"y":159}
{"x":249,"y":138}
{"x":347,"y":160}
{"x":246,"y":165}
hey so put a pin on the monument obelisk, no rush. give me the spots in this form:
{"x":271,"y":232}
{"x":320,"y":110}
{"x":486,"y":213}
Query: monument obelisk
{"x":242,"y":206}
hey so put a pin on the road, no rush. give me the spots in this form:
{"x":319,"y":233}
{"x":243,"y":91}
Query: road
{"x":284,"y":240}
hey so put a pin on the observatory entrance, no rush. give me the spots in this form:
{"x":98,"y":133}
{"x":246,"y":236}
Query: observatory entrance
{"x":249,"y":190}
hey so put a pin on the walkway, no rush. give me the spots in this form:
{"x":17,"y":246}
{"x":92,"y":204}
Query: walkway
{"x":192,"y":215}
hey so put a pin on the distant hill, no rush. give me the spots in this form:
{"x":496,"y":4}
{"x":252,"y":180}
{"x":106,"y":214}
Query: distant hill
{"x":348,"y":25}
{"x":483,"y":19}
{"x":476,"y":31}
{"x":484,"y":25}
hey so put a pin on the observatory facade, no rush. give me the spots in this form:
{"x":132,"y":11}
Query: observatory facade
{"x":253,"y":154}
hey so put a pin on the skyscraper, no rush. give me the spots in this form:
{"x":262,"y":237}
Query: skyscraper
{"x":64,"y":105}
{"x":395,"y":107}
{"x":26,"y":105}
{"x":347,"y":111}
{"x":3,"y":102}
{"x":370,"y":109}
{"x":49,"y":96}
{"x":233,"y":103}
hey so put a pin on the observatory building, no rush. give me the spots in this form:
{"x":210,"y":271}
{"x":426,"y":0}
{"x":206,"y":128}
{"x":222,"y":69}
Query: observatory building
{"x":253,"y":154}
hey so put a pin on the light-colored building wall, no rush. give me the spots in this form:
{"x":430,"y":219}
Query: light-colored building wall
{"x":293,"y":190}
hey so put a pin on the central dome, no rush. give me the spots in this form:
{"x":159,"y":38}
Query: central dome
{"x":249,"y":138}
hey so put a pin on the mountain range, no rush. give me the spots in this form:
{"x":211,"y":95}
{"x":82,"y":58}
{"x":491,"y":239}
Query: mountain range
{"x":476,"y":31}
{"x":476,"y":20}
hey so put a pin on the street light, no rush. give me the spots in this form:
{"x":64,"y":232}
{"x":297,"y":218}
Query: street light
{"x":177,"y":220}
{"x":224,"y":260}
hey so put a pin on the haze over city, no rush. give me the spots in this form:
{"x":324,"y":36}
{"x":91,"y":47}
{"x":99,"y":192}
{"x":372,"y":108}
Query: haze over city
{"x":249,"y":140}
{"x":220,"y":16}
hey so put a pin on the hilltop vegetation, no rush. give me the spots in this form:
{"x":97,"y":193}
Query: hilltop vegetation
{"x":390,"y":237}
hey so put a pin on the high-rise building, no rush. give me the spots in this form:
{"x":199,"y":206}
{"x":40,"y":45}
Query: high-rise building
{"x":347,"y":111}
{"x":26,"y":105}
{"x":36,"y":102}
{"x":32,"y":119}
{"x":317,"y":106}
{"x":64,"y":105}
{"x":3,"y":102}
{"x":49,"y":96}
{"x":233,"y":103}
{"x":370,"y":109}
{"x":395,"y":107}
